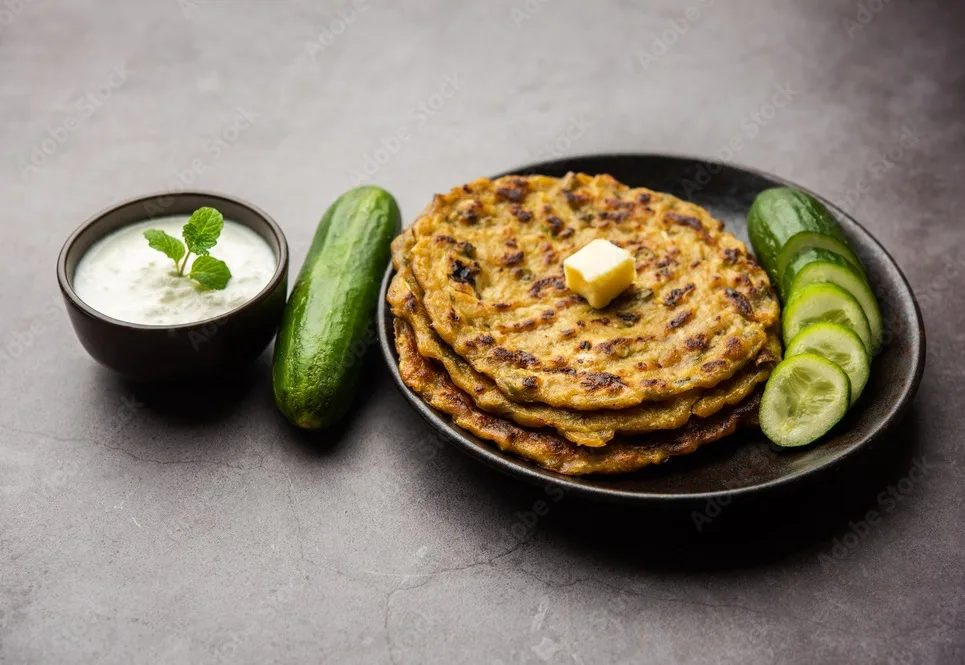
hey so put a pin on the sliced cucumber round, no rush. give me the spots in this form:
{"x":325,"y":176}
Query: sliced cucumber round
{"x":805,"y":397}
{"x":820,"y":265}
{"x":821,"y":302}
{"x":839,"y":345}
{"x":811,"y":239}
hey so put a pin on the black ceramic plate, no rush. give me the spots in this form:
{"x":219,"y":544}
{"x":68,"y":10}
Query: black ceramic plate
{"x":745,"y":462}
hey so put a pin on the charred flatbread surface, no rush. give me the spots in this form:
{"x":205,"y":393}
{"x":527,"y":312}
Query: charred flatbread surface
{"x":588,"y":428}
{"x":550,"y":451}
{"x":488,"y":257}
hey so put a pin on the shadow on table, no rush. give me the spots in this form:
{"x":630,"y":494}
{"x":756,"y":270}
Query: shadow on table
{"x":749,"y":531}
{"x":184,"y":421}
{"x":200,"y":400}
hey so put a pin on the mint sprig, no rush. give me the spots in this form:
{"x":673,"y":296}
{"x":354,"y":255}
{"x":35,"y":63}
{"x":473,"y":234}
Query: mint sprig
{"x":162,"y":242}
{"x":210,"y":272}
{"x":202,"y":230}
{"x":200,"y":233}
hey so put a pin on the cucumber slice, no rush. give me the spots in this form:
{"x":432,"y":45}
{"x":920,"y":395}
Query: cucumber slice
{"x":839,"y":345}
{"x":779,"y":215}
{"x":804,"y":398}
{"x":824,"y":303}
{"x":809,"y":239}
{"x":820,"y":265}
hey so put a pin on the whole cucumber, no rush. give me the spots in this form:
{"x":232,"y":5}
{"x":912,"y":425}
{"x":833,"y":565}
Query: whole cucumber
{"x":329,"y":318}
{"x":783,"y":221}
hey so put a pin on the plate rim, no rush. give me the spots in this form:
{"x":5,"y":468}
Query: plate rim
{"x":529,"y":472}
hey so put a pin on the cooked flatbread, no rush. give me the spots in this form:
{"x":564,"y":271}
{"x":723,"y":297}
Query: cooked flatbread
{"x":489,"y":255}
{"x":430,"y":381}
{"x":588,"y":428}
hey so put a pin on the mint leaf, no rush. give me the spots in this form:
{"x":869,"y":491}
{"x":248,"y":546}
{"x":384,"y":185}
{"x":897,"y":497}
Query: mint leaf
{"x":162,"y":242}
{"x":202,"y":230}
{"x":210,"y":272}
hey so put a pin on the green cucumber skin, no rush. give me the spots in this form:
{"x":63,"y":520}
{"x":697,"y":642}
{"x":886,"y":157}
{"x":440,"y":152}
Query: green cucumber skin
{"x":807,"y":257}
{"x":780,"y":213}
{"x":813,"y":291}
{"x":318,"y":353}
{"x":793,"y":247}
{"x":771,"y":393}
{"x":848,"y":279}
{"x":815,"y":339}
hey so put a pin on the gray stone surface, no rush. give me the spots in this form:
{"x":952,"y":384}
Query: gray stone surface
{"x":136,"y":530}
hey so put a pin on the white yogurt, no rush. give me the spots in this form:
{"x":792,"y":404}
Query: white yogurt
{"x":124,"y":278}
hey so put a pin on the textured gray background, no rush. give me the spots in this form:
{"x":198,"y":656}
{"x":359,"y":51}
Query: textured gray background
{"x":137,"y":530}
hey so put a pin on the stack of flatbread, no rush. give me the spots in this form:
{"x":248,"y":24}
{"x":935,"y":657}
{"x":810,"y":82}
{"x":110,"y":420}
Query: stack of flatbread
{"x":487,"y":331}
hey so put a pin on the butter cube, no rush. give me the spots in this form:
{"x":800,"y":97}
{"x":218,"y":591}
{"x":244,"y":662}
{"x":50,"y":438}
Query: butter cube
{"x":599,"y":272}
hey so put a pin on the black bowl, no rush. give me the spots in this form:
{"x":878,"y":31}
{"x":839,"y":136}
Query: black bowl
{"x":743,"y":463}
{"x":150,"y":353}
